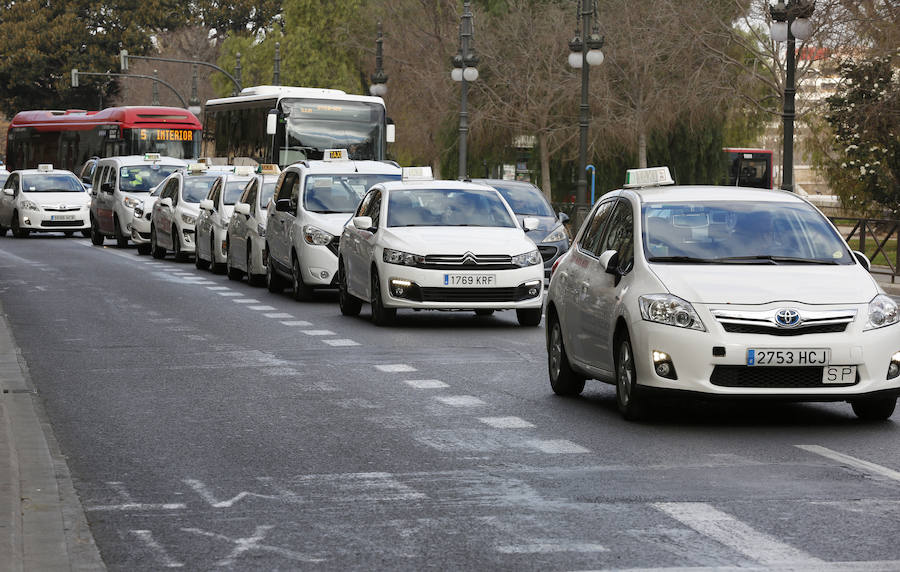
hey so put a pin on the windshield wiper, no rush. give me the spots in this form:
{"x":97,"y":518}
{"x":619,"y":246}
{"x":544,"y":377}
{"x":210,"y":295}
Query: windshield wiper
{"x":686,"y":259}
{"x":774,"y":259}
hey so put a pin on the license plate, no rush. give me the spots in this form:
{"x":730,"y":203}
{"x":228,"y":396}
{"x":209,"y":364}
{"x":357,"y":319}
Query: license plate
{"x":839,"y":374}
{"x":62,"y":217}
{"x":470,"y":280}
{"x":788,"y":357}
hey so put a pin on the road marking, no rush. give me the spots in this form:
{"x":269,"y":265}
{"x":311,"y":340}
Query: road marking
{"x":394,"y":367}
{"x":461,"y":401}
{"x":861,"y":566}
{"x":296,"y":323}
{"x":199,"y":282}
{"x":246,"y":301}
{"x":162,"y":557}
{"x":261,"y":308}
{"x":557,"y":446}
{"x":218,"y":288}
{"x":278,"y":315}
{"x":229,"y":294}
{"x":207,"y":495}
{"x":129,"y":504}
{"x":506,"y":422}
{"x":242,"y":545}
{"x":318,"y":332}
{"x":551,"y":548}
{"x":727,"y":530}
{"x":864,"y":466}
{"x":426,"y":383}
{"x":341,"y":342}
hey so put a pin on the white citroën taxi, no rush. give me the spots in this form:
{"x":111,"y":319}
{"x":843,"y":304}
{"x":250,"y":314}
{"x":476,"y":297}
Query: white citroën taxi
{"x":719,"y":291}
{"x":440,"y":245}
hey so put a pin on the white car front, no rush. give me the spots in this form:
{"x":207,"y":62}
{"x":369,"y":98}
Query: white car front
{"x":44,"y":200}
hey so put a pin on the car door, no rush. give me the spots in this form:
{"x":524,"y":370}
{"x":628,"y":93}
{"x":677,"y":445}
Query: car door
{"x":351,"y":249}
{"x":280,"y":222}
{"x":238,"y":227}
{"x":205,"y":221}
{"x":165,"y":215}
{"x":367,"y":241}
{"x":7,"y":200}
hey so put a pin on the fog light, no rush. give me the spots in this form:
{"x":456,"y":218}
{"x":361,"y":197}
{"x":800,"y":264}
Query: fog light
{"x":663,"y":366}
{"x":399,"y":288}
{"x":894,"y":367}
{"x":26,"y":220}
{"x":323,"y":275}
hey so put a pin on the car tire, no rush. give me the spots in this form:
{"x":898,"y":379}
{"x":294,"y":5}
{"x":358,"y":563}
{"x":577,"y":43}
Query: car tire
{"x":381,"y":316}
{"x":143,"y":249}
{"x":2,"y":231}
{"x":563,"y":379}
{"x":17,"y":230}
{"x":180,"y":255}
{"x":232,"y":272}
{"x":529,"y":317}
{"x":199,"y":262}
{"x":253,"y":279}
{"x":215,"y":267}
{"x":874,"y":408}
{"x":121,"y":239}
{"x":299,"y":290}
{"x":350,"y":304}
{"x":628,"y":395}
{"x":86,"y":233}
{"x":484,"y":312}
{"x":96,"y":236}
{"x":156,"y":250}
{"x":273,"y":281}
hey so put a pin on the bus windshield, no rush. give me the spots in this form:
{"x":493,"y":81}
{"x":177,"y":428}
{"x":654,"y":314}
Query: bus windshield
{"x":315,"y":125}
{"x":142,"y":178}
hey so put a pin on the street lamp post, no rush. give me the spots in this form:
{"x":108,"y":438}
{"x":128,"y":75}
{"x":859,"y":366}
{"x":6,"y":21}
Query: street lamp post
{"x":790,"y":22}
{"x":194,"y":101}
{"x":124,"y":56}
{"x":464,"y":71}
{"x":583,"y":55}
{"x":108,"y":75}
{"x":379,"y":78}
{"x":276,"y":75}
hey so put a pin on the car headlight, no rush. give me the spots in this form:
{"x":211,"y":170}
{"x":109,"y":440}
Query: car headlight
{"x":130,"y":202}
{"x":188,"y":219}
{"x":139,"y":210}
{"x":29,"y":205}
{"x":670,"y":310}
{"x":392,"y":256}
{"x":261,"y":230}
{"x":316,"y":236}
{"x":556,"y":235}
{"x":527,"y":259}
{"x":882,"y":312}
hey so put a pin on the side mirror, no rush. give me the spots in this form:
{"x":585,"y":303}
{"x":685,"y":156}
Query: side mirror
{"x":8,"y":192}
{"x":166,"y":202}
{"x":863,"y":260}
{"x":107,"y":187}
{"x":390,"y":135}
{"x":284,"y":205}
{"x":362,"y":222}
{"x":563,"y":218}
{"x":207,"y":205}
{"x":272,"y":122}
{"x":609,"y":261}
{"x":530,"y":223}
{"x":242,"y":208}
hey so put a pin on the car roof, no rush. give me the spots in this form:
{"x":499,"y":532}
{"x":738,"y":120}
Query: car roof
{"x":689,"y":193}
{"x":129,"y":160}
{"x":37,"y":171}
{"x":435,"y":184}
{"x":507,"y":183}
{"x":347,"y":167}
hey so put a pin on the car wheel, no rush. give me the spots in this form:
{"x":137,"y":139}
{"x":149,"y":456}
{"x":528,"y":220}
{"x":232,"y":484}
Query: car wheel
{"x":253,"y":279}
{"x":96,"y":236}
{"x":381,"y":316}
{"x":143,"y":249}
{"x":628,"y":395}
{"x":216,"y":267}
{"x":563,"y":380}
{"x":2,"y":231}
{"x":199,"y":262}
{"x":484,"y":312}
{"x":156,"y":250}
{"x":874,"y":408}
{"x":273,"y":280}
{"x":232,"y":272}
{"x":529,"y":317}
{"x":180,"y":255}
{"x":121,"y":239}
{"x":85,"y":233}
{"x":350,"y":304}
{"x":17,"y":229}
{"x":299,"y":290}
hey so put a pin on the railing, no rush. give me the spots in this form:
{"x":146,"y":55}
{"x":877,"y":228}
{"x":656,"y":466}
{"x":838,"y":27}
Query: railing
{"x":876,"y":238}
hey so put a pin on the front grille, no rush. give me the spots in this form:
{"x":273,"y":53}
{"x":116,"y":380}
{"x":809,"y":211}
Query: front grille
{"x":752,"y":329}
{"x":59,"y":210}
{"x":144,"y":235}
{"x":333,"y":245}
{"x":771,"y":377}
{"x":516,"y":294}
{"x":468,"y":262}
{"x":55,"y":223}
{"x":547,"y":252}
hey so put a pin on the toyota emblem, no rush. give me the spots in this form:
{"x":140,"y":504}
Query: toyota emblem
{"x":787,"y":318}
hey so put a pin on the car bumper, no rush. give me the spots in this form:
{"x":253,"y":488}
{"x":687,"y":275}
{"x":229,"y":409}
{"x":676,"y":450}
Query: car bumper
{"x":140,"y":231}
{"x":40,"y":221}
{"x":319,"y":265}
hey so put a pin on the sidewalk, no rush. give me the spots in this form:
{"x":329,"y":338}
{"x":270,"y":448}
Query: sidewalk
{"x":884,"y":280}
{"x":42,"y":523}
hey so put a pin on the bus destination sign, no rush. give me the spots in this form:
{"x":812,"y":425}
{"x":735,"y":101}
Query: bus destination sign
{"x":167,"y":134}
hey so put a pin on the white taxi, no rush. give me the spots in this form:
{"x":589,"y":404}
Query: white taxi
{"x":175,"y":212}
{"x":44,"y":200}
{"x":246,"y":236}
{"x":723,"y":292}
{"x":440,"y":245}
{"x":215,"y":214}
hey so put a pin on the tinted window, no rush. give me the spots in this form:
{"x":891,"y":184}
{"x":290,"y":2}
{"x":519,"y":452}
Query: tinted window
{"x":338,"y":193}
{"x":233,"y":190}
{"x":268,"y":189}
{"x":447,"y":207}
{"x":142,"y":178}
{"x":620,"y":235}
{"x":525,"y":199}
{"x":594,"y":230}
{"x":196,"y":188}
{"x":51,"y":183}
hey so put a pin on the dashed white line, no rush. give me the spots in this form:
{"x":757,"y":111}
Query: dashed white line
{"x":318,"y":332}
{"x":506,"y":422}
{"x":461,"y":401}
{"x":261,"y":308}
{"x":246,"y":301}
{"x":551,"y":547}
{"x":864,"y":466}
{"x":214,"y":288}
{"x":229,"y":294}
{"x":295,"y":323}
{"x":278,"y":315}
{"x":394,"y":367}
{"x":341,"y":342}
{"x":426,"y":383}
{"x":557,"y":446}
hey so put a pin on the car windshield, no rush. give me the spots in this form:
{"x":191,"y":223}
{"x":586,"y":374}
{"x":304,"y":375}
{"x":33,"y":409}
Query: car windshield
{"x":729,"y":232}
{"x":338,"y":193}
{"x":51,"y":183}
{"x":196,"y":188}
{"x":233,"y":190}
{"x":268,"y":190}
{"x":142,"y":178}
{"x":447,"y":207}
{"x":525,"y":199}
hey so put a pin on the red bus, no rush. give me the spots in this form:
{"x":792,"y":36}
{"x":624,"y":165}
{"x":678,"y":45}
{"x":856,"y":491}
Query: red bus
{"x":749,"y":167}
{"x":69,"y":138}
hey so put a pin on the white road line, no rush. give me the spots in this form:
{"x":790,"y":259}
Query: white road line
{"x":296,"y":323}
{"x":557,"y":446}
{"x":862,"y":566}
{"x":162,"y":557}
{"x":278,"y":315}
{"x":199,"y":282}
{"x":246,"y":301}
{"x":318,"y":332}
{"x":341,"y":342}
{"x":727,"y":530}
{"x":135,"y":506}
{"x":551,"y":547}
{"x":218,"y":288}
{"x":394,"y":367}
{"x":506,"y":422}
{"x":426,"y":383}
{"x":461,"y":401}
{"x":261,"y":308}
{"x":229,"y":294}
{"x":864,"y":466}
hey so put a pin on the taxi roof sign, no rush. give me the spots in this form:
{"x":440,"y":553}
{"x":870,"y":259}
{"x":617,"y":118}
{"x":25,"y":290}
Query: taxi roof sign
{"x":152,"y":156}
{"x":650,"y":177}
{"x":44,"y":167}
{"x":336,"y":155}
{"x":243,"y":170}
{"x":197,"y":167}
{"x":268,"y":169}
{"x":417,"y":174}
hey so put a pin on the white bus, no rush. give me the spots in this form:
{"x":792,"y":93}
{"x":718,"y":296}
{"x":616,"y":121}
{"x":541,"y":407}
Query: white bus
{"x":283,"y":125}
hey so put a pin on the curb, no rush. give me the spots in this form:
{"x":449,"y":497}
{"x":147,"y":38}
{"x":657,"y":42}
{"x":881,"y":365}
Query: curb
{"x":42,"y":522}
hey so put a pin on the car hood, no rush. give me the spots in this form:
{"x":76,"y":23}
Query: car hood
{"x":545,"y":225}
{"x":55,"y":199}
{"x":457,"y":240}
{"x":760,"y":284}
{"x":332,"y":223}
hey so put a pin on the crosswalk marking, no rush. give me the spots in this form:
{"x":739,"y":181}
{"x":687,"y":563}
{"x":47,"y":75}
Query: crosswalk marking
{"x":426,"y":383}
{"x":864,"y":466}
{"x":506,"y":422}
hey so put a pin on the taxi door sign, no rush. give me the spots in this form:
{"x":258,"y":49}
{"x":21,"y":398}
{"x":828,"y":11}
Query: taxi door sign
{"x":167,"y":135}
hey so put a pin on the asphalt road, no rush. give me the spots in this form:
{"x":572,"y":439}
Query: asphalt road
{"x":210,"y":424}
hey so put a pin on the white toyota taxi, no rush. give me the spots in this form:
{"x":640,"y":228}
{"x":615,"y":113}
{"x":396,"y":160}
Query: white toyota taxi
{"x":247,"y":229}
{"x":440,"y":245}
{"x":215,"y":214}
{"x":44,"y":200}
{"x":719,"y":291}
